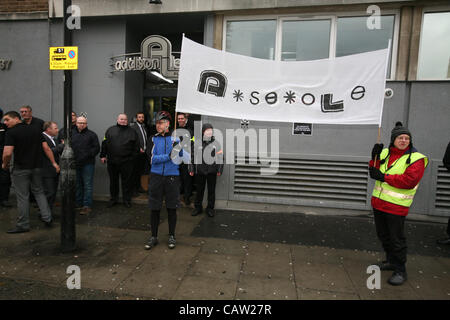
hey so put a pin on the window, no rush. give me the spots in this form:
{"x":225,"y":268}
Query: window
{"x":434,"y":50}
{"x":353,"y":36}
{"x":298,"y":39}
{"x":305,"y":40}
{"x":255,"y":38}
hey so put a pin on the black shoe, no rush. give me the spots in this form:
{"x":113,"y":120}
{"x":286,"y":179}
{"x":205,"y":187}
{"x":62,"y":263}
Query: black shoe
{"x":5,"y":204}
{"x":172,"y":242}
{"x":210,"y":212}
{"x":196,"y":211}
{"x":111,"y":203}
{"x":127,"y":204}
{"x":153,"y":241}
{"x":385,"y":265}
{"x":48,"y":224}
{"x":141,"y":190}
{"x":17,"y":230}
{"x":397,"y":278}
{"x":443,"y":241}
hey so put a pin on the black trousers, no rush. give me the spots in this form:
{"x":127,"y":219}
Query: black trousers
{"x":201,"y":182}
{"x":5,"y":184}
{"x":448,"y":227}
{"x":186,"y":182}
{"x":390,"y":231}
{"x":141,"y":167}
{"x":155,"y":219}
{"x":50,"y":185}
{"x":124,"y":172}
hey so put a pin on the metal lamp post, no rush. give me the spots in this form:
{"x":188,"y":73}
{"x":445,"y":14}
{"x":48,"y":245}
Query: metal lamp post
{"x":67,"y":161}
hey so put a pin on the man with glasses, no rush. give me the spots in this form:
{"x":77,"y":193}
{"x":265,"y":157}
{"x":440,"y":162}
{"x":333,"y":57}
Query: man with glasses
{"x":85,"y":148}
{"x":397,"y":171}
{"x":165,"y":156}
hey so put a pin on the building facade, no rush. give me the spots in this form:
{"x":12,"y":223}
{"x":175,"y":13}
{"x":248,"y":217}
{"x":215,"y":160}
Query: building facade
{"x":321,"y":171}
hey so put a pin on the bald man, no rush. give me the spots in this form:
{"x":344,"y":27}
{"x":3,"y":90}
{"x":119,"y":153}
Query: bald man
{"x":120,"y":147}
{"x":85,"y":148}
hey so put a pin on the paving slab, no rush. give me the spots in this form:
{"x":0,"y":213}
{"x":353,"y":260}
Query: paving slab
{"x":323,"y":277}
{"x":257,"y":288}
{"x":195,"y":287}
{"x":217,"y":266}
{"x":269,"y":263}
{"x":161,"y":272}
{"x":314,"y":294}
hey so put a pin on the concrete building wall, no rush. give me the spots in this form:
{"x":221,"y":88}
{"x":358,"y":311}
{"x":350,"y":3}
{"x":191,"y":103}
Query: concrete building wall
{"x":135,"y":7}
{"x":27,"y":81}
{"x":95,"y":90}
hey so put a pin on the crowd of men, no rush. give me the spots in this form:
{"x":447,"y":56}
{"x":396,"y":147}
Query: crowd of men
{"x":31,"y":149}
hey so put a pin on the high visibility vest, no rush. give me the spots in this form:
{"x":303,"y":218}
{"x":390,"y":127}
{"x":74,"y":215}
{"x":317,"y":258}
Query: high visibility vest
{"x":386,"y":192}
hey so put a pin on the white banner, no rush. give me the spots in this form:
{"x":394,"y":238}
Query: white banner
{"x":344,"y":90}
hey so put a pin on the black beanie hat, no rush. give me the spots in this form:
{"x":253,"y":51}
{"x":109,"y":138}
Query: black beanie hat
{"x":399,"y":130}
{"x":206,"y":126}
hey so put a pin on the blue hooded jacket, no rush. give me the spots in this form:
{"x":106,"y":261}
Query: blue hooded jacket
{"x":160,"y":150}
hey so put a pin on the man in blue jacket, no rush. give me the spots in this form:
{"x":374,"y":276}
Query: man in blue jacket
{"x":165,"y":153}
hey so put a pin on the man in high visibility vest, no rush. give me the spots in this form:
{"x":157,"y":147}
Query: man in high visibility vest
{"x":397,"y":171}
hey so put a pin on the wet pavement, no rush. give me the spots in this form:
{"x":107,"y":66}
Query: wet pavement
{"x":235,"y":255}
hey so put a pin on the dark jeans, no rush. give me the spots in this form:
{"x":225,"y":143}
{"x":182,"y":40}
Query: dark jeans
{"x":186,"y":182}
{"x":155,"y":218}
{"x":124,"y":171}
{"x":85,"y":185}
{"x":201,"y":182}
{"x":390,"y":231}
{"x":50,"y":185}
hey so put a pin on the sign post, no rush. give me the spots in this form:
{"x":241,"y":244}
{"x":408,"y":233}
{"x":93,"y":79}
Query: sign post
{"x":64,"y":58}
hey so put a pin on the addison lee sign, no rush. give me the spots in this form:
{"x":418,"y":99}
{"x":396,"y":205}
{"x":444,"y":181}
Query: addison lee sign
{"x":155,"y":55}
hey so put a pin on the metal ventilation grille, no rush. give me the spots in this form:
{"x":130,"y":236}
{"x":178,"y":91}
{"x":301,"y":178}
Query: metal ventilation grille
{"x":443,"y":189}
{"x":299,"y":179}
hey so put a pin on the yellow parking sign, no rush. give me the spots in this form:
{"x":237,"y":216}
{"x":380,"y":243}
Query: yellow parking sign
{"x":63,"y":58}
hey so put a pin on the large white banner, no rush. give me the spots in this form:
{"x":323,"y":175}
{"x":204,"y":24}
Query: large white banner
{"x":344,"y":90}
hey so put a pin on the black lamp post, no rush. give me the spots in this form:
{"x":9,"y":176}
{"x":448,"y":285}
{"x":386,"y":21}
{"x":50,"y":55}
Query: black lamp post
{"x":68,"y":236}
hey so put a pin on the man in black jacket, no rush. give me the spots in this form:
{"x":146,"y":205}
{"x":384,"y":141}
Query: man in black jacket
{"x":120,"y":146}
{"x":85,"y":148}
{"x":49,"y":175}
